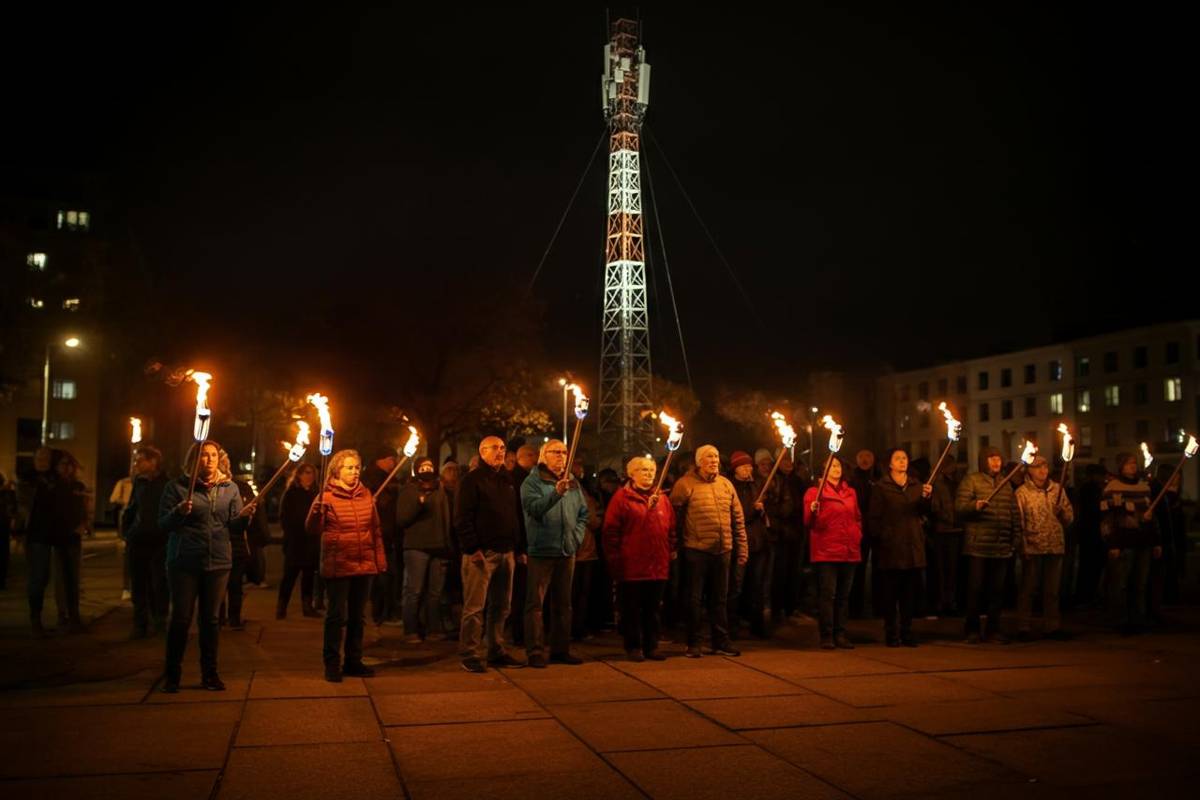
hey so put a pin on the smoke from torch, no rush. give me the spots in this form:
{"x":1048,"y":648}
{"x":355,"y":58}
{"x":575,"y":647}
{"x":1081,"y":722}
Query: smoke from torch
{"x":321,"y":403}
{"x":953,"y":426}
{"x":203,"y":412}
{"x":135,"y":434}
{"x":836,"y":433}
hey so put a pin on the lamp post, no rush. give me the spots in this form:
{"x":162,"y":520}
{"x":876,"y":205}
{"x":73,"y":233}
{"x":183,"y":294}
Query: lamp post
{"x":71,"y":342}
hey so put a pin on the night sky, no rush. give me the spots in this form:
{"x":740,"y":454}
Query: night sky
{"x":907,"y":185}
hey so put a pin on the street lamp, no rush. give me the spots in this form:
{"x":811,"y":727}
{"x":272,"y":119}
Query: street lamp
{"x":71,"y":342}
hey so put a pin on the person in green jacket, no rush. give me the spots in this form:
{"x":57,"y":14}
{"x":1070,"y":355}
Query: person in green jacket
{"x":556,"y":516}
{"x":989,"y":532}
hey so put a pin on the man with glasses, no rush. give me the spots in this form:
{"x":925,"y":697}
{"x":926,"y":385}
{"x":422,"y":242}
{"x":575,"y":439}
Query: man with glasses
{"x":556,"y":516}
{"x":488,"y":526}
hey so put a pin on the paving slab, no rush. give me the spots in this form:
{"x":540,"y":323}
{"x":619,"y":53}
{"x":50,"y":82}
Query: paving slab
{"x":719,"y":773}
{"x":592,"y":682}
{"x":311,"y":721}
{"x":122,"y":691}
{"x":886,"y":690}
{"x":191,"y":785}
{"x":748,"y":713}
{"x":236,"y":687}
{"x":1176,"y":721}
{"x":710,"y":678}
{"x":363,"y":771}
{"x":434,"y":708}
{"x":643,"y":725}
{"x":879,"y":759}
{"x":1094,"y":755}
{"x":792,"y":664}
{"x":981,"y":716}
{"x":488,"y":750}
{"x":940,"y":657}
{"x":440,"y":679}
{"x":598,"y":781}
{"x":1015,"y":680}
{"x":272,"y":684}
{"x":99,"y":740}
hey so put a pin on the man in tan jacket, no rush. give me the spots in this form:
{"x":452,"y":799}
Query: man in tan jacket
{"x":710,"y":520}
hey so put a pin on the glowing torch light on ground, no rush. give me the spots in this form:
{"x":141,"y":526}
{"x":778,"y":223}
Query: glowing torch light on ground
{"x":674,"y":439}
{"x":581,"y":411}
{"x":203,"y":420}
{"x":953,"y":434}
{"x":836,"y":435}
{"x":410,"y":450}
{"x":1189,"y":452}
{"x":1026,"y":459}
{"x":787,"y":437}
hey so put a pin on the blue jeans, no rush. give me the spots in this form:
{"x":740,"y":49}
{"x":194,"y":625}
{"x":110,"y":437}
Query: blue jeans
{"x":424,"y":577}
{"x":192,"y":587}
{"x":39,"y":556}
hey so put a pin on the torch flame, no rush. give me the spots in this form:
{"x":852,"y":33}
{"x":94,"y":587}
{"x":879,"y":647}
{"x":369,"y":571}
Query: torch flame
{"x":296,"y":451}
{"x":410,"y":447}
{"x":321,"y":403}
{"x":953,"y":426}
{"x":787,"y":434}
{"x":1192,"y":447}
{"x":1068,"y":445}
{"x":1028,"y":453}
{"x":1147,"y":456}
{"x":135,"y":436}
{"x":203,"y":412}
{"x":674,"y":430}
{"x":836,"y":433}
{"x":581,"y":400}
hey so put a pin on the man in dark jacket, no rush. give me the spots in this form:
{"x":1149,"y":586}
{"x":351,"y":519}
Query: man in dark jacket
{"x":990,"y":530}
{"x":787,"y":562}
{"x":147,"y":544}
{"x":423,"y":521}
{"x":862,"y":479}
{"x":747,"y":584}
{"x":384,"y":591}
{"x":487,"y":521}
{"x":947,"y":538}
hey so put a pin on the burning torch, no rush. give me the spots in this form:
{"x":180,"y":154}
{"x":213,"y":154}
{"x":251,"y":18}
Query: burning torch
{"x":953,"y":433}
{"x":787,"y":435}
{"x":674,"y":439}
{"x":1147,"y":458}
{"x":295,"y":453}
{"x":581,"y":412}
{"x":1188,"y":452}
{"x":836,"y":434}
{"x":1026,"y":459}
{"x":1068,"y":454}
{"x":321,"y":403}
{"x":410,"y":450}
{"x":135,"y":438}
{"x":200,"y":426}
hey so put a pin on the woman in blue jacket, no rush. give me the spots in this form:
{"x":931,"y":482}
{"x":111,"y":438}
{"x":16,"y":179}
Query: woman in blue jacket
{"x":199,"y":557}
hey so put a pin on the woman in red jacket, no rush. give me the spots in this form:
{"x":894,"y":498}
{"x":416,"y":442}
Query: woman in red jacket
{"x":835,"y":533}
{"x":639,"y":544}
{"x":352,"y":553}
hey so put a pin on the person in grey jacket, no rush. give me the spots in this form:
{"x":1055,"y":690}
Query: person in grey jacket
{"x":556,"y":516}
{"x":199,"y":558}
{"x":990,"y":533}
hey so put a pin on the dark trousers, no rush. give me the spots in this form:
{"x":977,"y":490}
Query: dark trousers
{"x":1127,"y":578}
{"x":948,"y":548}
{"x":898,"y":596}
{"x":639,"y":601}
{"x":383,"y":590}
{"x":305,"y":572}
{"x":67,"y":557}
{"x":520,"y":573}
{"x":347,"y":598}
{"x":675,"y":604}
{"x":191,"y":588}
{"x":548,"y":576}
{"x":858,"y":592}
{"x":707,"y":573}
{"x":581,"y":587}
{"x":836,"y":580}
{"x":786,"y":566}
{"x":235,"y":590}
{"x":985,"y":590}
{"x":755,"y":586}
{"x":148,"y":579}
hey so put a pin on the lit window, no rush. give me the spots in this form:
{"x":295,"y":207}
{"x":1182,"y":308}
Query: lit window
{"x":1173,"y":390}
{"x":1112,"y":396}
{"x":62,"y":431}
{"x":71,"y":304}
{"x":74,"y":220}
{"x":1085,"y":401}
{"x":35,"y":302}
{"x":1056,"y":403}
{"x":63,"y":390}
{"x":36,"y":261}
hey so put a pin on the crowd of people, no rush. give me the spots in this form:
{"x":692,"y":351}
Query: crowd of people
{"x":515,"y":551}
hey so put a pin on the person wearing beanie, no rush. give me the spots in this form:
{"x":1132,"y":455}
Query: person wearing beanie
{"x":989,"y":533}
{"x":385,"y":590}
{"x":1132,"y":542}
{"x":747,"y":584}
{"x":424,"y":521}
{"x":710,"y":521}
{"x":1045,"y":513}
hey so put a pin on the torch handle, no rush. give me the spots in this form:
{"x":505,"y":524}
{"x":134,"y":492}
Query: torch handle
{"x":770,"y":476}
{"x":1000,"y":485}
{"x":274,"y":479}
{"x":938,"y":465}
{"x":1163,"y":491}
{"x":390,"y":475}
{"x":662,"y":475}
{"x":824,"y":478}
{"x":195,"y":470}
{"x":1062,"y":480}
{"x":574,"y":447}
